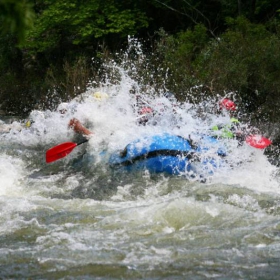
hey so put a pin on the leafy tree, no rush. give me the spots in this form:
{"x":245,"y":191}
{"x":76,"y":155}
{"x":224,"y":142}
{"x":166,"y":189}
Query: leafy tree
{"x":16,"y":17}
{"x":245,"y":59}
{"x":181,"y":55}
{"x":57,"y":53}
{"x":74,"y":22}
{"x":249,"y":62}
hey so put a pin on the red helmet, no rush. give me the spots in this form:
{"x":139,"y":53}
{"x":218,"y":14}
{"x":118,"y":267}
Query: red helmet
{"x":227,"y":104}
{"x":146,"y":110}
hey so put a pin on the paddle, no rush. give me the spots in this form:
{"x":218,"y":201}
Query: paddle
{"x":258,"y":141}
{"x":61,"y":150}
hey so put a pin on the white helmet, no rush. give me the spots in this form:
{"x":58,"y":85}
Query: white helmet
{"x":62,"y":108}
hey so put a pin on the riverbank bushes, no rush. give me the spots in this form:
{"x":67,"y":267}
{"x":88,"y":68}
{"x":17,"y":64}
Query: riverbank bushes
{"x":245,"y":59}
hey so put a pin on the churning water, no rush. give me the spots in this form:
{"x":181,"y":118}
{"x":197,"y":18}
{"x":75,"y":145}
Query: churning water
{"x":77,"y":218}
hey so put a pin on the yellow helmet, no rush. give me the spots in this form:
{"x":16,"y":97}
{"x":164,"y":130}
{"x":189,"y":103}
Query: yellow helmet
{"x":100,"y":95}
{"x":28,"y":123}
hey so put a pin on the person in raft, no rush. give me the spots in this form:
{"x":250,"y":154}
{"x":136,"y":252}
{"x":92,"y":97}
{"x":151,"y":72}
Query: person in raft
{"x":228,"y":131}
{"x":145,"y":113}
{"x":76,"y":125}
{"x":233,"y":130}
{"x":153,"y":114}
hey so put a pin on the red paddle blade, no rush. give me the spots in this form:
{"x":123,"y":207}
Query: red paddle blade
{"x":258,"y":141}
{"x":59,"y":151}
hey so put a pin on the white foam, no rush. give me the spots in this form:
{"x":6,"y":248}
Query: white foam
{"x":11,"y":175}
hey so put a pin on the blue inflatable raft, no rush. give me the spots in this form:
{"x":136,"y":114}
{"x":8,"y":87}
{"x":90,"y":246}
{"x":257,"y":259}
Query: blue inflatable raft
{"x":171,"y":154}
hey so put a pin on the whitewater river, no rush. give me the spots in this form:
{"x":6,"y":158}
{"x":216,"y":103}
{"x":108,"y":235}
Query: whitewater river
{"x":77,"y":218}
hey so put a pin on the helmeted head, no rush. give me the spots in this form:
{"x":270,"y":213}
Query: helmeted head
{"x":145,"y":114}
{"x":145,"y":110}
{"x":100,"y":96}
{"x":170,"y":96}
{"x":62,"y":108}
{"x":227,"y":104}
{"x":66,"y":108}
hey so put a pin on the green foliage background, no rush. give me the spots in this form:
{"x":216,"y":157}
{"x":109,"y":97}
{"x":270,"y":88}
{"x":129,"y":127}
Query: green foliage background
{"x":50,"y":50}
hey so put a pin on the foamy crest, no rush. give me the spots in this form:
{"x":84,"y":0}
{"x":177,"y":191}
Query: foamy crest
{"x":11,"y":175}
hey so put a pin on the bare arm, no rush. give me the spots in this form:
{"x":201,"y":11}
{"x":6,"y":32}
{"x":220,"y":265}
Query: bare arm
{"x":76,"y":125}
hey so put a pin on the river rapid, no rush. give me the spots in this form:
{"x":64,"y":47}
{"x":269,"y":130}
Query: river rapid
{"x":78,"y":218}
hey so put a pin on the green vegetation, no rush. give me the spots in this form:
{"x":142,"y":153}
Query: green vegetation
{"x":16,"y":17}
{"x":244,"y":59}
{"x":47,"y":49}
